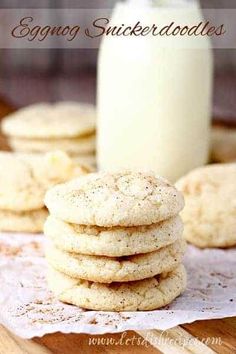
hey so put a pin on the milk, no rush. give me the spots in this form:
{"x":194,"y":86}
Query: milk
{"x":154,"y":100}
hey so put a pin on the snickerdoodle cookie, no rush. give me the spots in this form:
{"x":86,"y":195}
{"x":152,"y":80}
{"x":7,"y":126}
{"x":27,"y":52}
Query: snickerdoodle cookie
{"x":121,"y":269}
{"x":44,"y":127}
{"x":23,"y":221}
{"x":114,"y":241}
{"x":142,"y":295}
{"x":24,"y":180}
{"x":72,"y":146}
{"x":115,"y":199}
{"x":209,"y":215}
{"x":51,"y":121}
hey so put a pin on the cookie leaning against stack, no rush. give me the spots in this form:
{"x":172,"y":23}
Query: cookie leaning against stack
{"x":115,"y":242}
{"x":66,"y":126}
{"x":24,"y":179}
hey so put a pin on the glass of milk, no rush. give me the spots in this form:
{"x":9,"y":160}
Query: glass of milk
{"x":154,"y":93}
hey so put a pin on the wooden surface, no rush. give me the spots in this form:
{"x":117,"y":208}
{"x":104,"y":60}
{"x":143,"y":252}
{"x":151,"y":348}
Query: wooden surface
{"x":193,"y":335}
{"x":212,"y":336}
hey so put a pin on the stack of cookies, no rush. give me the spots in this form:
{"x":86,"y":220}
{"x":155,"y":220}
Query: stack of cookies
{"x":24,"y":180}
{"x":115,"y":242}
{"x":66,"y":126}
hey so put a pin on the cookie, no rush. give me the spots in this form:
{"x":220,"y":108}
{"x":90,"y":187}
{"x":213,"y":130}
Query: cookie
{"x":25,"y":221}
{"x":53,"y":167}
{"x":115,"y":241}
{"x":73,"y":146}
{"x":142,"y":295}
{"x":223,"y":147}
{"x":47,"y":121}
{"x":209,"y":215}
{"x":24,"y":178}
{"x":107,"y":270}
{"x":115,"y":199}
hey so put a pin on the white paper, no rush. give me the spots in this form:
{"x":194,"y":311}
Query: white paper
{"x":28,"y":309}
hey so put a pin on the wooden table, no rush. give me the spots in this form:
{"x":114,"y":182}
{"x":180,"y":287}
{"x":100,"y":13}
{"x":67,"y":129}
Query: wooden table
{"x":207,"y":331}
{"x":211,"y":336}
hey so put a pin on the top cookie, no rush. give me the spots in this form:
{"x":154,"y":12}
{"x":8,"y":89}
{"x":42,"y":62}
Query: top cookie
{"x":24,"y":178}
{"x":45,"y":120}
{"x":115,"y":199}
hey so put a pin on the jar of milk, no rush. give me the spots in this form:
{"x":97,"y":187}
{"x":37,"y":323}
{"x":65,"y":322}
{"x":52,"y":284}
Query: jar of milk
{"x":154,"y":92}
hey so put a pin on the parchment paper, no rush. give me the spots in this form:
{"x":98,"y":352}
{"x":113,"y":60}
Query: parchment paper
{"x":28,"y":309}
